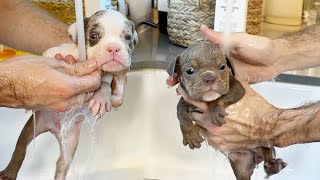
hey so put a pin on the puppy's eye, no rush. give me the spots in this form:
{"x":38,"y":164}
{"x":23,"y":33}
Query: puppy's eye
{"x":94,"y":36}
{"x":190,"y":71}
{"x":128,"y":37}
{"x":222,"y":67}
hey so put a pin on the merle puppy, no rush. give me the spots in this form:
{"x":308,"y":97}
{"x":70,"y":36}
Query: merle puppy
{"x":110,"y":39}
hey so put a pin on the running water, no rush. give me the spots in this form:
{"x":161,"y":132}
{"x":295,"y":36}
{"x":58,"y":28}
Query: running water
{"x":228,"y":28}
{"x":34,"y":128}
{"x":68,"y":120}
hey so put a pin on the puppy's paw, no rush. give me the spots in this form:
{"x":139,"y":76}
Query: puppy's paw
{"x":274,"y":166}
{"x":192,"y":137}
{"x":217,"y":116}
{"x":8,"y":174}
{"x":99,"y":104}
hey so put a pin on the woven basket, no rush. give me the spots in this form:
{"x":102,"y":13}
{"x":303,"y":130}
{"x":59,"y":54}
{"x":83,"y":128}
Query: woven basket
{"x":254,"y":16}
{"x":186,"y":16}
{"x":65,"y":11}
{"x":62,"y":10}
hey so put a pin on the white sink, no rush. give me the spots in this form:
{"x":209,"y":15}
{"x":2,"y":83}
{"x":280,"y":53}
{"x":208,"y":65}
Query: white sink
{"x":142,"y":140}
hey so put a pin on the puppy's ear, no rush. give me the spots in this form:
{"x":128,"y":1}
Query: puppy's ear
{"x":230,"y":65}
{"x":134,"y":33}
{"x":174,"y":66}
{"x":72,"y":30}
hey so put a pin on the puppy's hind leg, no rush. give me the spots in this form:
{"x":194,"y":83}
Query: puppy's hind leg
{"x":242,"y":163}
{"x":26,"y":136}
{"x":62,"y":165}
{"x":271,"y":165}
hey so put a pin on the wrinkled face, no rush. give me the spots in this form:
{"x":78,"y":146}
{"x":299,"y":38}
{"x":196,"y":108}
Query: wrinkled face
{"x":204,"y":72}
{"x":110,"y":39}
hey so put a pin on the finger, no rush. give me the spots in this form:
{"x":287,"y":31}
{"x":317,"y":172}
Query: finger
{"x":86,"y":83}
{"x":81,"y":68}
{"x":212,"y":36}
{"x":75,"y":101}
{"x":58,"y":56}
{"x":200,"y":105}
{"x":172,"y":80}
{"x":70,"y":59}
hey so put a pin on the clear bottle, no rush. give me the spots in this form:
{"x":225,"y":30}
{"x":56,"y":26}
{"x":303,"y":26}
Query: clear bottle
{"x":314,"y":16}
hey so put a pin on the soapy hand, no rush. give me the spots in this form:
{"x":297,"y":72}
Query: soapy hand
{"x":99,"y":103}
{"x":35,"y":82}
{"x":246,"y":125}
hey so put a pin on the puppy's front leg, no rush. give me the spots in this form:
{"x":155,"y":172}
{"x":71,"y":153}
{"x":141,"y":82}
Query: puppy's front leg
{"x":189,"y":131}
{"x":118,"y":87}
{"x":101,"y":100}
{"x":236,"y":92}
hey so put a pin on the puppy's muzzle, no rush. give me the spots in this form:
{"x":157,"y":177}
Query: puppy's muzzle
{"x":209,"y":80}
{"x":208,"y":77}
{"x":113,"y":49}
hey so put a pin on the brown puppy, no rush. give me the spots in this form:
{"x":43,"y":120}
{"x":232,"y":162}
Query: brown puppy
{"x":205,"y":74}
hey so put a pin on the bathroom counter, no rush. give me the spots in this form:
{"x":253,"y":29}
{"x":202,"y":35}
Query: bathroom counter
{"x":155,"y":50}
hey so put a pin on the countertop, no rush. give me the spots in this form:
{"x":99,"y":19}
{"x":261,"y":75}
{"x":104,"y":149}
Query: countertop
{"x":155,"y":51}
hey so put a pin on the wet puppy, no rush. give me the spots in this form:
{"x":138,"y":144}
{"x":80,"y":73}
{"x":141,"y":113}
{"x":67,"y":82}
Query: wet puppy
{"x":110,"y":39}
{"x":206,"y":75}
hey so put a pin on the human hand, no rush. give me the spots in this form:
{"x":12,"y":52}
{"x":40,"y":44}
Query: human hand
{"x":246,"y":125}
{"x":35,"y":82}
{"x":254,"y":57}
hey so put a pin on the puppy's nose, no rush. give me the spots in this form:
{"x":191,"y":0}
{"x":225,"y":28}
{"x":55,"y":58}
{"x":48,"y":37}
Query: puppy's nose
{"x":209,"y":80}
{"x":113,"y":49}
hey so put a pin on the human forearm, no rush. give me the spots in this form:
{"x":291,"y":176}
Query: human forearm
{"x":296,"y":126}
{"x":26,"y":27}
{"x":298,"y":50}
{"x":11,"y":90}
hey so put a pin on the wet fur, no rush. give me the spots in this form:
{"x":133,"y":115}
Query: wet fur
{"x":203,"y":57}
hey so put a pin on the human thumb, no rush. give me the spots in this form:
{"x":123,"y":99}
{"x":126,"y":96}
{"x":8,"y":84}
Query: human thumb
{"x":82,"y":68}
{"x":210,"y":35}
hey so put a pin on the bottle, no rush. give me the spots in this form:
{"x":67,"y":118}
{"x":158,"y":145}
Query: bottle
{"x":230,"y":14}
{"x":307,"y":4}
{"x":314,"y":16}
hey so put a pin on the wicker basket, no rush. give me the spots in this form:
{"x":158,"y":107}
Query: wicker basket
{"x":186,"y":16}
{"x":254,"y":16}
{"x":64,"y":11}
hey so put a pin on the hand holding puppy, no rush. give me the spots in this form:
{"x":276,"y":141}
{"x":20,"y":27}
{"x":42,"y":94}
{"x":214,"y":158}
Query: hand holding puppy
{"x":256,"y":59}
{"x":44,"y":83}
